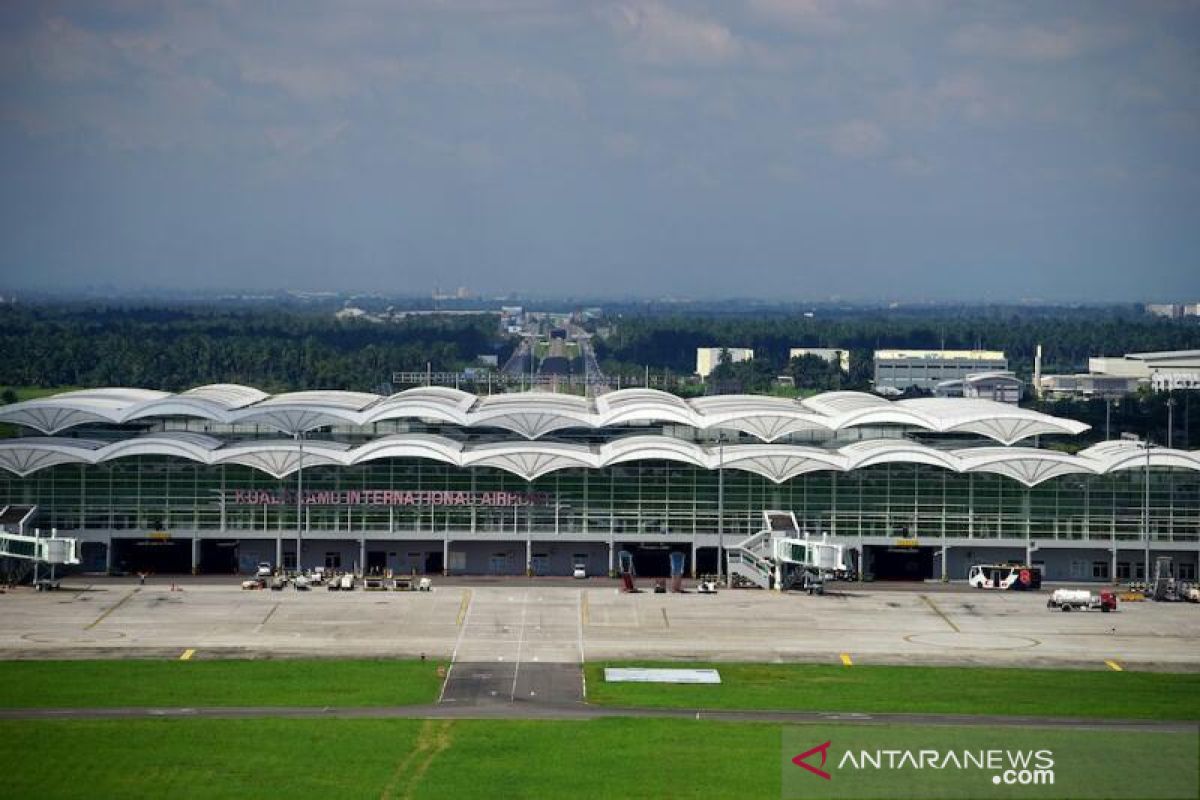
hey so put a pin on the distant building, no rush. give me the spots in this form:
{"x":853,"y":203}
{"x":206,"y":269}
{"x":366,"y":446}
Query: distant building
{"x":1146,"y":365}
{"x":511,"y":318}
{"x":1173,"y":310}
{"x":1173,"y":381}
{"x":833,"y":355}
{"x":707,"y":358}
{"x":1113,"y":376}
{"x":1003,"y":387}
{"x":1169,"y":310}
{"x":897,"y":370}
{"x":1086,"y":385}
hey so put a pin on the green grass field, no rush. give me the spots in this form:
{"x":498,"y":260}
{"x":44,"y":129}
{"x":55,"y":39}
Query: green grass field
{"x":947,"y":690}
{"x":386,"y":758}
{"x":608,"y":758}
{"x":602,"y":758}
{"x":59,"y":684}
{"x":806,"y":687}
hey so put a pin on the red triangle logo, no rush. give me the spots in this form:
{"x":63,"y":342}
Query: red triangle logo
{"x":823,"y":749}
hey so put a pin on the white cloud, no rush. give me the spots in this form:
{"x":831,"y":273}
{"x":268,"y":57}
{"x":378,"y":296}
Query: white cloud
{"x":656,"y":34}
{"x":303,"y":140}
{"x":913,"y":166}
{"x":622,"y":145}
{"x":1033,"y":43}
{"x":973,"y":98}
{"x":310,"y":82}
{"x":858,"y":139}
{"x":803,"y":16}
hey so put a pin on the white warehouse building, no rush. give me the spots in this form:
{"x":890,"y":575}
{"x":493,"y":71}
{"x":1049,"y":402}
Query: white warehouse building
{"x":707,"y":358}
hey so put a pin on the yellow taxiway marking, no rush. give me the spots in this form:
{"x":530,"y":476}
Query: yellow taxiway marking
{"x":1114,"y":666}
{"x":112,"y":608}
{"x":940,"y":613}
{"x":462,"y":608}
{"x":187,"y":654}
{"x":846,"y":660}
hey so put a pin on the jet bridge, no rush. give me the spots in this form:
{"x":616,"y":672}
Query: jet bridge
{"x":781,"y":556}
{"x":19,"y":541}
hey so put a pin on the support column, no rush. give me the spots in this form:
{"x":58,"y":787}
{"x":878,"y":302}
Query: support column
{"x":278,"y":550}
{"x":446,"y":556}
{"x":611,"y":568}
{"x":945,"y":557}
{"x":693,"y":555}
{"x":528,"y":556}
{"x":195,"y":553}
{"x":224,"y":520}
{"x":970,"y":505}
{"x":108,"y":556}
{"x":1028,"y":531}
{"x":1112,"y":530}
{"x":362,"y":555}
{"x":833,"y":506}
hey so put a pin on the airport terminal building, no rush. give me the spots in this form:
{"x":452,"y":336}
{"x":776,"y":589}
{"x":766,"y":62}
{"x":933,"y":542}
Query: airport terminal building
{"x":219,"y":478}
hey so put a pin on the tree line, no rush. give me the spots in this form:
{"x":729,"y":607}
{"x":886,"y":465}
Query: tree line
{"x":177,"y":348}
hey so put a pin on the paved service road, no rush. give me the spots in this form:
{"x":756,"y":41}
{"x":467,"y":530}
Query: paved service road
{"x":518,"y":646}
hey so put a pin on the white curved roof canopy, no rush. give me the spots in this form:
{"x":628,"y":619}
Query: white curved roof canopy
{"x":535,"y":414}
{"x":531,"y":460}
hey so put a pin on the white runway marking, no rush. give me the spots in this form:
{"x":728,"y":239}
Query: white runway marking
{"x":462,"y":629}
{"x":579,"y":636}
{"x":520,"y":642}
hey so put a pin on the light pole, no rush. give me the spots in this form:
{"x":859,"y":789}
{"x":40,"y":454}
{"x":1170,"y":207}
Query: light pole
{"x":1107,"y":418}
{"x":299,"y":499}
{"x":720,"y":506}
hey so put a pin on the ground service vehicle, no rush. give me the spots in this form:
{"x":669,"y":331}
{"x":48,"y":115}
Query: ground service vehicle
{"x":1082,"y":600}
{"x":1005,"y":576}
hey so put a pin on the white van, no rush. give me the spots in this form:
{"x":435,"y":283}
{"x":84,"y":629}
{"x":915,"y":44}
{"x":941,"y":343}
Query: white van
{"x":1004,"y":576}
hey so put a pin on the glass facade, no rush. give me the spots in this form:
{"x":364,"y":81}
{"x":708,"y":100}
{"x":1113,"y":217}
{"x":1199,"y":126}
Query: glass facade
{"x":642,"y":498}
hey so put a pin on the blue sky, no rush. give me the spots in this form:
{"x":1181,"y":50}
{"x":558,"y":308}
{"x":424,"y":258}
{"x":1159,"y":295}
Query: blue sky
{"x":777,"y":148}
